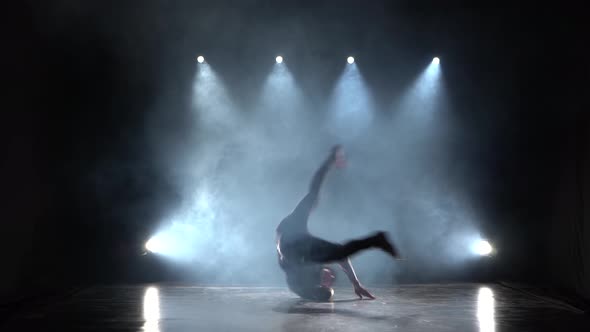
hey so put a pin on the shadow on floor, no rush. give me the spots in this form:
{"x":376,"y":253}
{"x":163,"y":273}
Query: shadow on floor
{"x":298,"y":306}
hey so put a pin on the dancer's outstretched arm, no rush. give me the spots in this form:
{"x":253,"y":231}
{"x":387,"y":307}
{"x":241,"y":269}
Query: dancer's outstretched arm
{"x":358,"y":289}
{"x":310,"y":200}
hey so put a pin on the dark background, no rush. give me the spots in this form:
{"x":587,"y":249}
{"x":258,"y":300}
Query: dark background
{"x":84,"y":78}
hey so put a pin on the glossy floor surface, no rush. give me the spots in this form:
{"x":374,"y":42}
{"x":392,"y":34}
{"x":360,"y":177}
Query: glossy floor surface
{"x":455,"y":307}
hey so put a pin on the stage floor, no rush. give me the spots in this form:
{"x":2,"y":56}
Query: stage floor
{"x":446,"y":307}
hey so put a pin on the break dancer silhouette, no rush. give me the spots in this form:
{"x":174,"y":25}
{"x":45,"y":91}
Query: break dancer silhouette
{"x":303,"y":257}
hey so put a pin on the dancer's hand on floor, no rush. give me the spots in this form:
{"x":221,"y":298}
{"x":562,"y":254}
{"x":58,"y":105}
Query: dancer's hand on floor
{"x":360,"y":292}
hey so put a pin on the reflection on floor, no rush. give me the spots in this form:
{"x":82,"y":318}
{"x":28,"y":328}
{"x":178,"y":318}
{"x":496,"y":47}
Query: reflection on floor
{"x":161,"y":308}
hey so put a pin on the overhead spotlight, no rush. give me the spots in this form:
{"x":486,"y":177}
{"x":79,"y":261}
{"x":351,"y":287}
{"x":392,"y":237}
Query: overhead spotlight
{"x":483,"y":248}
{"x":436,"y":60}
{"x":279,"y":59}
{"x":350,"y":60}
{"x":200,"y":59}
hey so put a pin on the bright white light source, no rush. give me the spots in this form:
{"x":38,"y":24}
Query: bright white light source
{"x":153,"y":245}
{"x":279,"y":59}
{"x":436,"y":60}
{"x":350,"y":60}
{"x":200,"y":59}
{"x":482,"y":247}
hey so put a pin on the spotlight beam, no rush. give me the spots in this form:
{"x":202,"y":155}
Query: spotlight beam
{"x":351,"y":107}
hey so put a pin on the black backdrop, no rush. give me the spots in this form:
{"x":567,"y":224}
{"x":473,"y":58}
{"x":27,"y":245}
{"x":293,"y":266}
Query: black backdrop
{"x":84,"y":77}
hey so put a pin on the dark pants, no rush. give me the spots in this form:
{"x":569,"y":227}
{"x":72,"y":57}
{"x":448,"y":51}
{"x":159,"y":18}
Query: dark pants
{"x":310,"y":249}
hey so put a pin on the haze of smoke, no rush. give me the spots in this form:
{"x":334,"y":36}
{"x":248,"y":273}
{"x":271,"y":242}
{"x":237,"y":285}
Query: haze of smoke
{"x":247,"y":170}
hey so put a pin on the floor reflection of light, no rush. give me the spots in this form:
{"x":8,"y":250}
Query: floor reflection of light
{"x":485,"y":310}
{"x":151,"y":310}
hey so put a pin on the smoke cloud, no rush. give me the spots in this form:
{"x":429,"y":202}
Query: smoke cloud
{"x":247,"y":166}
